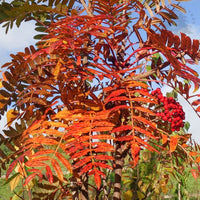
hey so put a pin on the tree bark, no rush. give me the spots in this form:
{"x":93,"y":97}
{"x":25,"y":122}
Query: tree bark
{"x":74,"y":188}
{"x":84,"y":188}
{"x":119,"y":163}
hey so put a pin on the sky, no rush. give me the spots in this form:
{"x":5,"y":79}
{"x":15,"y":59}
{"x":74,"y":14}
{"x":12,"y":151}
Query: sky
{"x":18,"y":38}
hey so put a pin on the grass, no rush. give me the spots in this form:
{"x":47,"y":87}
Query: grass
{"x":5,"y":192}
{"x":193,"y":187}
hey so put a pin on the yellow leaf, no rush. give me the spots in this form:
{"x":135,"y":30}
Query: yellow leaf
{"x":2,"y":104}
{"x":11,"y":115}
{"x":57,"y":68}
{"x":14,"y":182}
{"x":128,"y":195}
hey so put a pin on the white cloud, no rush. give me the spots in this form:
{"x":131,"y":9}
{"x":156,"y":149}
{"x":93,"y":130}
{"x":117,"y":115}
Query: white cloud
{"x":15,"y":40}
{"x":191,"y":30}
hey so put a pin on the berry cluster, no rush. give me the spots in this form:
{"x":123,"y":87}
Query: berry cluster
{"x":172,"y":111}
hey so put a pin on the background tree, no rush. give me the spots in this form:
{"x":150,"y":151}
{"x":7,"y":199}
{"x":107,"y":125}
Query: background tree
{"x":85,"y":99}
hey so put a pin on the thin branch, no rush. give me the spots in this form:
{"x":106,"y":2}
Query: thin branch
{"x":86,"y":8}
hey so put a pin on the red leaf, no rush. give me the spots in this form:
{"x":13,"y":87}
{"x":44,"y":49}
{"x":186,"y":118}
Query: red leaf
{"x":86,"y":168}
{"x":57,"y":169}
{"x":173,"y":143}
{"x":195,"y":173}
{"x":80,"y":153}
{"x":198,"y":109}
{"x":82,"y":162}
{"x":11,"y":168}
{"x":29,"y":178}
{"x":64,"y":161}
{"x":49,"y":174}
{"x":97,"y":180}
{"x":176,"y":41}
{"x":105,"y":166}
{"x":34,"y":170}
{"x":196,"y":102}
{"x":35,"y":164}
{"x":195,"y":46}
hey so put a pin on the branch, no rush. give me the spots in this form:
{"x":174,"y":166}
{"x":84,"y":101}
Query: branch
{"x":146,"y":74}
{"x":86,"y":8}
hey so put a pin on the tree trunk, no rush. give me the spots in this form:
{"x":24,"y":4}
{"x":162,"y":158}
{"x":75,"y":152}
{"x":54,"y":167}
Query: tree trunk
{"x":119,"y":163}
{"x":84,"y":188}
{"x":74,"y":188}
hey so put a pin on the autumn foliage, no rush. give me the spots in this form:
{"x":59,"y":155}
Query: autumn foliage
{"x":85,"y":98}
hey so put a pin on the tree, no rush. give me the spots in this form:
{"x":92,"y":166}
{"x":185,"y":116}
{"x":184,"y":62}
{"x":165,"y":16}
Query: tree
{"x":88,"y":98}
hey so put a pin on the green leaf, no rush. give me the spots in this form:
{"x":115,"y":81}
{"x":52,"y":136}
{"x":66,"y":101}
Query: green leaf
{"x":187,"y":126}
{"x":11,"y":178}
{"x":148,"y":67}
{"x":39,"y":36}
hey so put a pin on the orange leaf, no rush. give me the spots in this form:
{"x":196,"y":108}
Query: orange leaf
{"x":119,"y":98}
{"x":135,"y":84}
{"x":164,"y":138}
{"x":47,"y":151}
{"x":48,"y":132}
{"x":193,"y":153}
{"x":145,"y":110}
{"x":125,"y":138}
{"x":102,"y":137}
{"x":142,"y":99}
{"x":64,"y":161}
{"x":81,"y":153}
{"x":78,"y":61}
{"x":49,"y":174}
{"x":45,"y":141}
{"x":57,"y":169}
{"x":197,"y":159}
{"x":103,"y":157}
{"x":39,"y":159}
{"x":122,"y":128}
{"x":115,"y":94}
{"x":173,"y":143}
{"x":145,"y":132}
{"x":145,"y":121}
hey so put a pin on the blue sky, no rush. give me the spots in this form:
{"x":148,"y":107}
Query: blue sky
{"x":18,"y":38}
